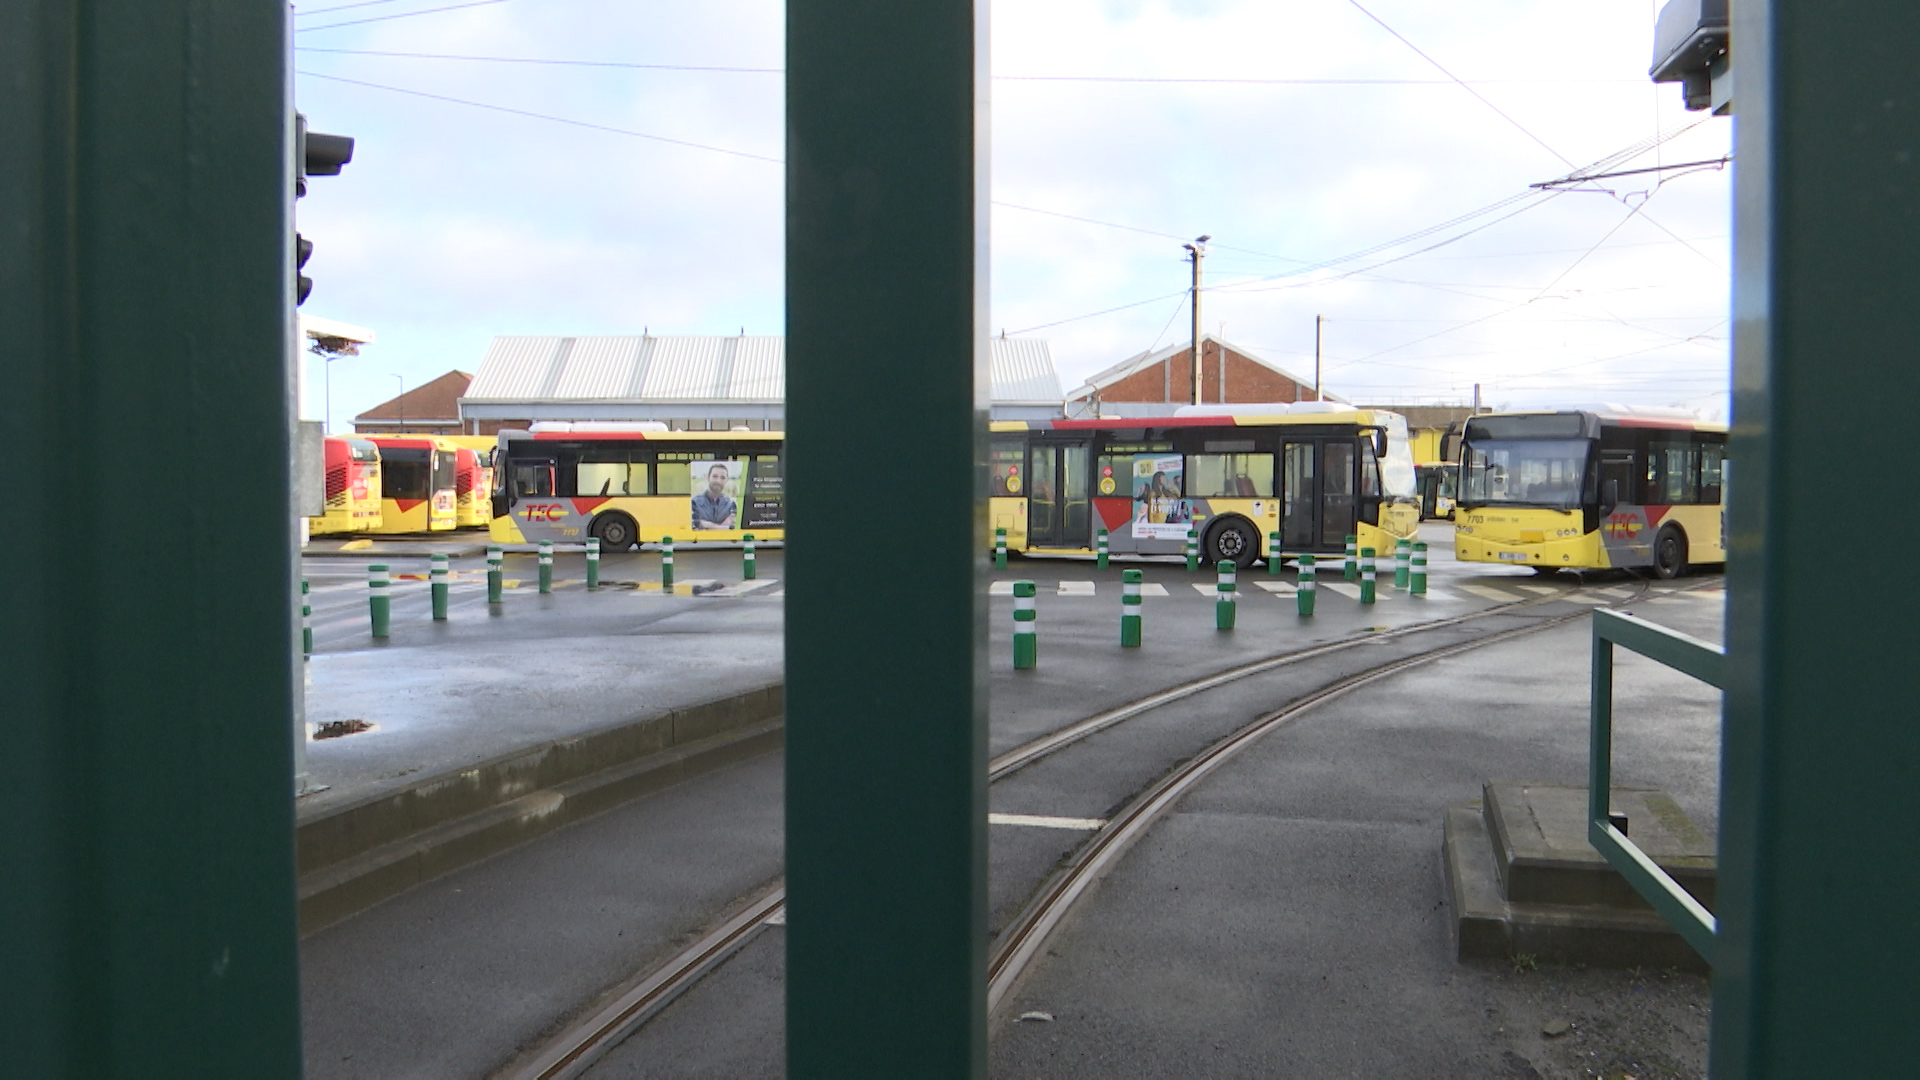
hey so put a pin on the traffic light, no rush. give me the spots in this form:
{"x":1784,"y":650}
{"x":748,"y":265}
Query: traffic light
{"x":314,"y":155}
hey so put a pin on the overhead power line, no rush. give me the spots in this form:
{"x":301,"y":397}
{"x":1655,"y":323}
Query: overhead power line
{"x":399,"y":15}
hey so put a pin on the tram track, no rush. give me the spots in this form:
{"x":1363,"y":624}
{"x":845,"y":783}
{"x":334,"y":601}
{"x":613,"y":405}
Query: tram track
{"x":574,"y":1049}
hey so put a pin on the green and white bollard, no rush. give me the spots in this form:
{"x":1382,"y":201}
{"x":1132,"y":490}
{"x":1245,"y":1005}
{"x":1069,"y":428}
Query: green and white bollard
{"x":999,"y":549}
{"x":593,"y":563}
{"x":496,"y":573}
{"x":1273,"y":553}
{"x":748,"y":571}
{"x":1193,"y":549}
{"x":1130,"y":609}
{"x":1305,"y":586}
{"x":379,"y":601}
{"x":1225,"y":595}
{"x":1419,"y":571}
{"x":546,"y":566}
{"x":666,"y":563}
{"x":1402,"y":563}
{"x":1026,"y":645}
{"x":1100,"y":550}
{"x":306,"y":618}
{"x":1352,"y":570}
{"x":437,"y":584}
{"x":1366,"y":575}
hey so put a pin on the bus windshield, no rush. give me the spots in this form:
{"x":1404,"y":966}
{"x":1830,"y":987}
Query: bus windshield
{"x":1524,"y":472}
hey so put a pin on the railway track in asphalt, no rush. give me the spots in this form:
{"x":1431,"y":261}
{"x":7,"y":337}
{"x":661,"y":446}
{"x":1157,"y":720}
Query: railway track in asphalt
{"x":574,"y":1048}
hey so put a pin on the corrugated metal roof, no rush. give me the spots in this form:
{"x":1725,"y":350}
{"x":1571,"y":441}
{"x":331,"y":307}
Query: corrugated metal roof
{"x":718,"y":369}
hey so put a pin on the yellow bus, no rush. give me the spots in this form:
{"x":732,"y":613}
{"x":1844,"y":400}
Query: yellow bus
{"x":472,"y":478}
{"x":633,"y":483}
{"x":1314,"y":472}
{"x":1613,"y":487}
{"x":416,"y":484}
{"x":1439,"y":483}
{"x":352,"y":487}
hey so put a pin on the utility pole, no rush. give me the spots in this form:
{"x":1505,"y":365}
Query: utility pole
{"x":1317,"y":320}
{"x":1476,"y":399}
{"x":1197,"y":250}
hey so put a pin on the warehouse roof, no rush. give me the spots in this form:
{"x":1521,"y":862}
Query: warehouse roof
{"x":743,"y":369}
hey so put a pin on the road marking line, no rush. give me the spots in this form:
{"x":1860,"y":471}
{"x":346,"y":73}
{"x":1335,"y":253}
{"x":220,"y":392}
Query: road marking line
{"x":678,"y":588}
{"x":1000,"y":588}
{"x":745,"y":588}
{"x":1205,"y":590}
{"x":1280,"y":587}
{"x":1538,"y":590}
{"x":1080,"y":824}
{"x":1352,"y":592}
{"x":1615,"y":593}
{"x":1076,"y":588}
{"x":1498,"y":596}
{"x":1153,"y":588}
{"x":1585,"y":598}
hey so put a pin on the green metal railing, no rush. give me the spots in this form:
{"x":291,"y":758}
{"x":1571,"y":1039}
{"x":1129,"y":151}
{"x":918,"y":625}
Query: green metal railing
{"x":1703,"y":661}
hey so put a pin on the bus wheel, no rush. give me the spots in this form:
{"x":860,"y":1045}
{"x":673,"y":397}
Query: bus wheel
{"x":1669,"y":554}
{"x":1233,"y":539}
{"x":616,"y":531}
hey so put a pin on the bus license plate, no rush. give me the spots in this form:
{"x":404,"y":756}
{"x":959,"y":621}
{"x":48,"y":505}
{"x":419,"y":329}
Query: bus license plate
{"x":1514,"y":556}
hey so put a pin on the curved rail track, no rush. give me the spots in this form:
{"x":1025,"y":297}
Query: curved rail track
{"x":574,"y":1049}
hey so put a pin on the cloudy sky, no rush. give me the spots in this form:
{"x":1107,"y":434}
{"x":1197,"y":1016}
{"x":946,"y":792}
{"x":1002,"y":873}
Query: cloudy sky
{"x":609,"y":166}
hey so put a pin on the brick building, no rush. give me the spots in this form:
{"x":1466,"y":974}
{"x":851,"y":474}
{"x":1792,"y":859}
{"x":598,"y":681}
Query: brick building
{"x":432,"y":409}
{"x":1156,"y":382}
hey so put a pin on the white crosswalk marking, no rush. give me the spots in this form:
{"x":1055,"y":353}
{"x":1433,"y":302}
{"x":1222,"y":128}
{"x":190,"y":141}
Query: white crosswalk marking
{"x":1583,"y":598}
{"x":1279,"y":587}
{"x":1076,"y":588}
{"x":1000,"y":588}
{"x":1615,"y":593}
{"x":1353,"y":591}
{"x":1538,"y":590}
{"x":746,"y":588}
{"x":1038,"y":821}
{"x":1498,"y":596}
{"x":1152,"y":588}
{"x":1205,"y":590}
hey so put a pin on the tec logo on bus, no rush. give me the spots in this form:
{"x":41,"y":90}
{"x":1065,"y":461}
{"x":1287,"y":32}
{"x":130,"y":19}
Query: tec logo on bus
{"x":543,"y":511}
{"x":1623,"y":526}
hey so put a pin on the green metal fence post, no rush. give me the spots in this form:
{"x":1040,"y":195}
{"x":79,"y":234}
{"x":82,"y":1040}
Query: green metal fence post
{"x":546,"y":566}
{"x":147,"y":923}
{"x":437,"y":585}
{"x":496,"y":573}
{"x":1224,"y":595}
{"x":1025,"y":622}
{"x":1419,"y":571}
{"x":748,"y":570}
{"x":1305,"y":586}
{"x":1367,"y":576}
{"x":666,"y":564}
{"x":1274,"y":561}
{"x":1100,"y":550}
{"x":1130,"y":608}
{"x":1193,"y":549}
{"x":306,"y":618}
{"x":1352,"y":569}
{"x":379,"y":599}
{"x":886,"y":277}
{"x":999,"y":549}
{"x":593,"y":562}
{"x":1402,"y":563}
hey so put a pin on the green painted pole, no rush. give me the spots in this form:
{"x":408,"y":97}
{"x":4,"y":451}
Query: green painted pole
{"x":593,"y":563}
{"x":1100,"y":550}
{"x":1402,"y":563}
{"x":1274,"y":561}
{"x":1419,"y":571}
{"x":1026,"y":643}
{"x":496,"y":573}
{"x":887,"y":190}
{"x":999,"y":549}
{"x":1352,"y":569}
{"x":306,"y":618}
{"x":147,"y":907}
{"x":1225,"y":596}
{"x":1130,"y":608}
{"x":379,"y":599}
{"x":1815,"y":971}
{"x":1193,"y":549}
{"x":437,"y":584}
{"x":1366,"y":576}
{"x":666,"y":563}
{"x":748,"y":571}
{"x":1306,"y":586}
{"x":546,"y":566}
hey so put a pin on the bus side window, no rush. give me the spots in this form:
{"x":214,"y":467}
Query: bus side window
{"x":673,"y":478}
{"x":1711,"y":456}
{"x":1369,"y":471}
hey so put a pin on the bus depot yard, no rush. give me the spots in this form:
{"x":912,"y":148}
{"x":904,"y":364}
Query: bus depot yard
{"x":1314,"y":878}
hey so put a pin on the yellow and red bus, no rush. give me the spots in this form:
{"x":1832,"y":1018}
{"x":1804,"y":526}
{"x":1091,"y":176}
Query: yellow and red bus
{"x":472,"y":478}
{"x":1587,"y":489}
{"x":352,"y":487}
{"x":416,"y":484}
{"x":1314,"y":472}
{"x":1439,"y":483}
{"x":633,"y":483}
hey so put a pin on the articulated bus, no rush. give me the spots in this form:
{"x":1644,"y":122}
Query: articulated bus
{"x":352,"y":488}
{"x":1314,"y":472}
{"x":1635,"y":488}
{"x":633,"y":483}
{"x":416,"y":484}
{"x":1439,"y":483}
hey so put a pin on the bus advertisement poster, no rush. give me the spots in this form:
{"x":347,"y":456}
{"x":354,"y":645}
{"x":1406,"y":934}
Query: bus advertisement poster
{"x":716,"y":495}
{"x":766,"y":492}
{"x":1159,"y":511}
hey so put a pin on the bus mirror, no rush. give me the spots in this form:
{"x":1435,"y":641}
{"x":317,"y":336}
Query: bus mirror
{"x":1380,"y":442}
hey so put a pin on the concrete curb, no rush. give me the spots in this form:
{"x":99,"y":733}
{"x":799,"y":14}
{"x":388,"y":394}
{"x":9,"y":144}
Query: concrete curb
{"x":353,"y":856}
{"x":419,"y":549}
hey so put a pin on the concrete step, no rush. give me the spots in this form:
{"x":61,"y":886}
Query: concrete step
{"x":1539,"y":836}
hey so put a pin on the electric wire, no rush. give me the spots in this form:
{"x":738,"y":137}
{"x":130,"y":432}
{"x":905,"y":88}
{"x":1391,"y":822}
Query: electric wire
{"x":399,"y":15}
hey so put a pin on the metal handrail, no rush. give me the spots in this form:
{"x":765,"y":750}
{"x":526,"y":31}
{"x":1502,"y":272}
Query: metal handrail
{"x":1704,"y":661}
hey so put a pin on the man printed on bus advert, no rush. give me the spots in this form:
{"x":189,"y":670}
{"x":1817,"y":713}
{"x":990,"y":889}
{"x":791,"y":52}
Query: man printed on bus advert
{"x":714,"y":508}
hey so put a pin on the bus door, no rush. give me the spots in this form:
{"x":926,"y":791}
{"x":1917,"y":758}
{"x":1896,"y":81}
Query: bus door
{"x":1059,"y":513}
{"x":1317,"y":493}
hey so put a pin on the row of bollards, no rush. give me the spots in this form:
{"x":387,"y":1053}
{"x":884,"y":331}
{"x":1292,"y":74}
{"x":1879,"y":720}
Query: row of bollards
{"x":1410,"y":573}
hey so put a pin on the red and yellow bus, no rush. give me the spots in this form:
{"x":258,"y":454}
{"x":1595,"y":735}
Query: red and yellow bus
{"x":352,"y":488}
{"x":472,"y":478}
{"x":1619,"y":487}
{"x":633,"y":483}
{"x":416,"y":484}
{"x":1314,"y":472}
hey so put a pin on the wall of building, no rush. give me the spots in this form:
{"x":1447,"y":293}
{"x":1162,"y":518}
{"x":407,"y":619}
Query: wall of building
{"x":1247,"y":381}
